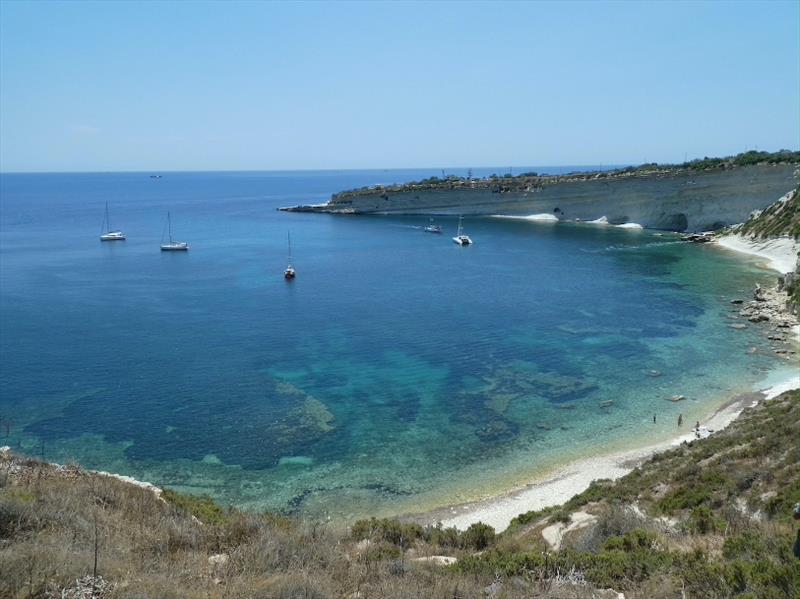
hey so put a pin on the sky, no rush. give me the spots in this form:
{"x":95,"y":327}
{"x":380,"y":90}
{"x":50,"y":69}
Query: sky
{"x":158,"y":86}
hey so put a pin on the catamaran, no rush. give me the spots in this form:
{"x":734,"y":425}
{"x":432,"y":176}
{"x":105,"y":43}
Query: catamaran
{"x":289,"y":272}
{"x":110,"y":235}
{"x":431,"y":228}
{"x":172,"y":245}
{"x":460,"y":238}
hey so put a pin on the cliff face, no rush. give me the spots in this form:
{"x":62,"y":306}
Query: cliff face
{"x":679,"y":200}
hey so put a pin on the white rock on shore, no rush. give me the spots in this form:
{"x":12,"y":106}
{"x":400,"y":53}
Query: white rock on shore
{"x":779,"y":254}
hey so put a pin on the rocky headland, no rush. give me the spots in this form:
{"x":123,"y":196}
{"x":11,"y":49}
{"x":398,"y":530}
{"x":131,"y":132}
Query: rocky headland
{"x":694,"y":196}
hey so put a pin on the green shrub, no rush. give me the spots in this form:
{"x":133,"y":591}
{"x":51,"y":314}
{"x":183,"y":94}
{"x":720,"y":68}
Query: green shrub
{"x":478,"y":536}
{"x":633,"y":541}
{"x":528,"y":518}
{"x":387,"y":529}
{"x":443,"y":537}
{"x":747,"y":545}
{"x":564,"y":516}
{"x":201,"y":507}
{"x":704,"y":521}
{"x":684,"y":497}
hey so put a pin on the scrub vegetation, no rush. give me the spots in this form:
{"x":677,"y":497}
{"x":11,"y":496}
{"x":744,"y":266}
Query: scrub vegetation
{"x":530,"y":181}
{"x":711,"y":518}
{"x":779,"y":219}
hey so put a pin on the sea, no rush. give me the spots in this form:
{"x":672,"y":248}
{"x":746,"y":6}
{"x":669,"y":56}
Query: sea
{"x":397,"y":373}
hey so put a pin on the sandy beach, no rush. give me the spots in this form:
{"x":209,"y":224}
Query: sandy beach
{"x":563,"y":483}
{"x":566,"y":481}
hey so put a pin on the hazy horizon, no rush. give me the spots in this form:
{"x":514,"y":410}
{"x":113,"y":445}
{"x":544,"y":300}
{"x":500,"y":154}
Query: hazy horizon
{"x":500,"y":169}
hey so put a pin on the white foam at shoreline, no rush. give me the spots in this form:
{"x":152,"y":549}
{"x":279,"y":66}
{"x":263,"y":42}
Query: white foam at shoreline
{"x":635,"y":226}
{"x":783,"y":387}
{"x":544,"y":217}
{"x":780,"y":254}
{"x":603,"y":220}
{"x":571,"y":479}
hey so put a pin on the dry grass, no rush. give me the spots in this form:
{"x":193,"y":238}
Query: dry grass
{"x":50,"y":520}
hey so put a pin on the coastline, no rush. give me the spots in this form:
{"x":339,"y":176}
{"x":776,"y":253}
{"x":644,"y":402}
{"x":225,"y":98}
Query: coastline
{"x":564,"y":482}
{"x":568,"y":480}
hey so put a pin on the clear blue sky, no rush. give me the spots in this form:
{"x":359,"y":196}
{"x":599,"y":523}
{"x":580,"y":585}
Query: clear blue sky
{"x":97,"y":86}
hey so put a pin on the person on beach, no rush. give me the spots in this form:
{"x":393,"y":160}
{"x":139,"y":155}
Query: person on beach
{"x":654,"y":418}
{"x":680,"y":419}
{"x":796,"y":546}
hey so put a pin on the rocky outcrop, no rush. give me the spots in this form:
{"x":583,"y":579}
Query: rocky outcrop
{"x":768,"y":309}
{"x":770,"y":233}
{"x":790,"y":285}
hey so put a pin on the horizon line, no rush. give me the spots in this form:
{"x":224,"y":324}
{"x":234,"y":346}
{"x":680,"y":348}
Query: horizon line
{"x":306,"y":170}
{"x":601,"y":165}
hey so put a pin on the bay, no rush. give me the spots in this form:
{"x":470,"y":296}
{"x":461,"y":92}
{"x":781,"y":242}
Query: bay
{"x":398,"y":372}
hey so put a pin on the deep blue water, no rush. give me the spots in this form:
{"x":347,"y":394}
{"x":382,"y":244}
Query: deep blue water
{"x":398,"y":371}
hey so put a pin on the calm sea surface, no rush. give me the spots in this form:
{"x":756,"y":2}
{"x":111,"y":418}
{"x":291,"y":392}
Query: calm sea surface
{"x":398,"y":372}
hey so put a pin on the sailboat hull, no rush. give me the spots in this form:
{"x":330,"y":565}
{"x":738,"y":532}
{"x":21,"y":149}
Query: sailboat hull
{"x":174,"y":247}
{"x":113,"y":237}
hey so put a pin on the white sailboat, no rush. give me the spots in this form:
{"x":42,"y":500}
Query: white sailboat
{"x":110,"y":235}
{"x":289,"y":273}
{"x":460,"y":238}
{"x":172,"y":245}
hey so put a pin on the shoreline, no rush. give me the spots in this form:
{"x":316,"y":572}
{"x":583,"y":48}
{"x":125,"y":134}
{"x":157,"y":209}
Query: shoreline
{"x":565,"y":481}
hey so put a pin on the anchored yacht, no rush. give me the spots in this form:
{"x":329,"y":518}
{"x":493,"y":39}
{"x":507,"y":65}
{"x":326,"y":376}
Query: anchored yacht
{"x":460,"y":238}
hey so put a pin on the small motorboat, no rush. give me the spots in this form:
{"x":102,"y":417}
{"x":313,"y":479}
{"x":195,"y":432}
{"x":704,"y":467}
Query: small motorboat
{"x":431,"y":228}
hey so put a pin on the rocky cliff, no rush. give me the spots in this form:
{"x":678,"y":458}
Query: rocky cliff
{"x":676,"y":199}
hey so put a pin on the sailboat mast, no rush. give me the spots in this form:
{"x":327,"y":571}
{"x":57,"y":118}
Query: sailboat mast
{"x":289,"y":238}
{"x":169,"y":226}
{"x":108,"y":221}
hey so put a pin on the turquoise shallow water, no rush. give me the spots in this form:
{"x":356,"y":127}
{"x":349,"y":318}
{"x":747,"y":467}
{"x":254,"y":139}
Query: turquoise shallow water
{"x":398,"y":372}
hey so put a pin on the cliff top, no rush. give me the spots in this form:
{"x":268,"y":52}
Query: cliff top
{"x":531,"y":180}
